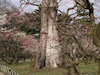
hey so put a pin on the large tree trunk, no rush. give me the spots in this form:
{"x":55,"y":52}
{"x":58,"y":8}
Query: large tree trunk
{"x":48,"y":54}
{"x":52,"y":48}
{"x":39,"y":61}
{"x":43,"y":34}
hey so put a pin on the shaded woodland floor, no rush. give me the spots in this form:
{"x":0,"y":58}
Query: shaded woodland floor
{"x":24,"y":69}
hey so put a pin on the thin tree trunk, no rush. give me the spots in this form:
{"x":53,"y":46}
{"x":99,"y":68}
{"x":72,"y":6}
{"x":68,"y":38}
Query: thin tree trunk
{"x":76,"y":69}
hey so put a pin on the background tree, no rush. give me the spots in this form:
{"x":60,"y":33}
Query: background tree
{"x":10,"y":49}
{"x":6,"y":6}
{"x":28,"y":22}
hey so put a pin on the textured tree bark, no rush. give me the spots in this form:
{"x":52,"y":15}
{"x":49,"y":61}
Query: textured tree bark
{"x":53,"y":48}
{"x":96,"y":36}
{"x":43,"y":34}
{"x":41,"y":53}
{"x":48,"y":54}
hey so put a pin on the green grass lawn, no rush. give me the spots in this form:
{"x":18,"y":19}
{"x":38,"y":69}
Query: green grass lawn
{"x":23,"y":69}
{"x":90,"y":69}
